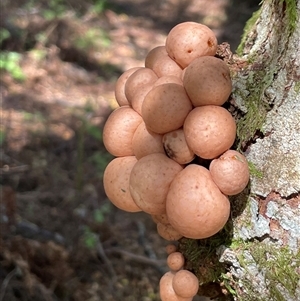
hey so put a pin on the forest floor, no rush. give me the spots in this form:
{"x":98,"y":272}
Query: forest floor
{"x":61,"y":239}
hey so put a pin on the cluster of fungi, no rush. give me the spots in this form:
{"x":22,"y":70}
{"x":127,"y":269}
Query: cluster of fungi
{"x":172,"y":140}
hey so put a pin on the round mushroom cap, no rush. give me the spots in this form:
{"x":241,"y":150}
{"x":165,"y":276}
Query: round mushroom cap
{"x":175,"y":261}
{"x":165,"y":108}
{"x":209,"y":131}
{"x":120,"y":86}
{"x":195,"y":206}
{"x":119,"y":129}
{"x":185,"y":284}
{"x":116,"y":183}
{"x":150,"y":180}
{"x":207,"y":81}
{"x":171,"y":249}
{"x":166,"y":290}
{"x":188,"y":40}
{"x":146,"y":142}
{"x":230,"y":172}
{"x":167,"y":232}
{"x":176,"y":147}
{"x":140,"y":77}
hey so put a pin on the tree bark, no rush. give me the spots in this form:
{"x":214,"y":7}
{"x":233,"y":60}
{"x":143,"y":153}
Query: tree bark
{"x":263,"y":257}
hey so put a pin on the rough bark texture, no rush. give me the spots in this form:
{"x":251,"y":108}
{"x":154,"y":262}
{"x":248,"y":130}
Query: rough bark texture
{"x":264,"y":255}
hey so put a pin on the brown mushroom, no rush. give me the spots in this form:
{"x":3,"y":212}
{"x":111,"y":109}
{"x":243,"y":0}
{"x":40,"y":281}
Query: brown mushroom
{"x":195,"y":206}
{"x":175,"y":261}
{"x":165,"y":108}
{"x":230,"y":172}
{"x":189,"y":40}
{"x":119,"y":129}
{"x":209,"y":131}
{"x":185,"y":284}
{"x":150,"y":180}
{"x":116,"y":183}
{"x":207,"y":81}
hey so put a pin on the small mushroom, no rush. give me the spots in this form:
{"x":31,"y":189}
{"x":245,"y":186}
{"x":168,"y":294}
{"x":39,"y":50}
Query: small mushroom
{"x":166,"y":290}
{"x":175,"y":261}
{"x":185,"y":284}
{"x":167,"y":232}
{"x":176,"y":147}
{"x":230,"y":172}
{"x":170,"y":248}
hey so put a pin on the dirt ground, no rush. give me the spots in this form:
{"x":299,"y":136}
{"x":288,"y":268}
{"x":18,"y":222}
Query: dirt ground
{"x":61,"y":239}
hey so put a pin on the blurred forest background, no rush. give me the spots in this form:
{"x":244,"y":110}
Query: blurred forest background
{"x":61,"y":239}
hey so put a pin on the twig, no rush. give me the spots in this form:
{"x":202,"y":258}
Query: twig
{"x":137,"y":258}
{"x":102,"y":255}
{"x":4,"y":285}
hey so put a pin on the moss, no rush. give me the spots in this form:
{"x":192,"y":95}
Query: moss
{"x":297,"y":87}
{"x":202,"y":260}
{"x":252,"y":122}
{"x":277,"y":264}
{"x":254,"y":170}
{"x":248,"y":27}
{"x":290,"y":7}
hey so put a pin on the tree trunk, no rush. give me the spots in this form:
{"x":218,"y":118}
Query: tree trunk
{"x":258,"y":252}
{"x":264,"y":255}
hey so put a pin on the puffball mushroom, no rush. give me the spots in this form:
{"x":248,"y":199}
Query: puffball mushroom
{"x":159,"y":61}
{"x":119,"y":129}
{"x":140,"y":77}
{"x":166,"y":290}
{"x":230,"y":172}
{"x":120,"y":86}
{"x":207,"y":81}
{"x":176,"y":147}
{"x":167,"y":232}
{"x":138,"y":97}
{"x":150,"y":180}
{"x":165,"y":108}
{"x":146,"y":142}
{"x":185,"y":284}
{"x":175,"y":261}
{"x":195,"y":206}
{"x":116,"y":183}
{"x":188,"y":40}
{"x":170,"y":248}
{"x":209,"y":131}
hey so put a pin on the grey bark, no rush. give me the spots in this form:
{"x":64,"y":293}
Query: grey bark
{"x":267,"y":232}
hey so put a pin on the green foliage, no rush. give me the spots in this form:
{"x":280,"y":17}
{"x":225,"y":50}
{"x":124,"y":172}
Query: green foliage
{"x":99,"y":6}
{"x":4,"y":34}
{"x":100,"y":213}
{"x":56,"y":8}
{"x":9,"y":62}
{"x":2,"y":137}
{"x":92,"y":39}
{"x":90,"y":238}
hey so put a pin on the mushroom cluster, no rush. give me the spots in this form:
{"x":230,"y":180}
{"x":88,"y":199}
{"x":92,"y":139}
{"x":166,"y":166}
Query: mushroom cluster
{"x":178,"y":284}
{"x":172,"y":138}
